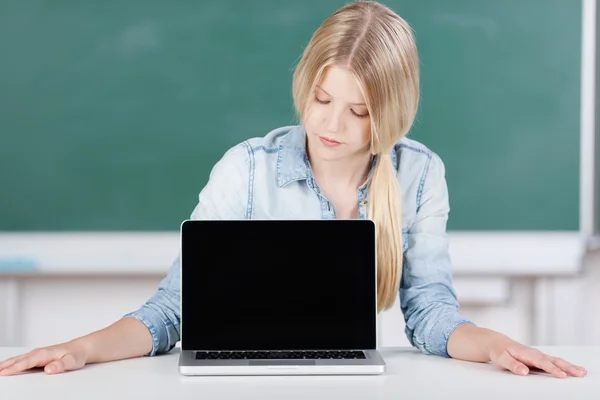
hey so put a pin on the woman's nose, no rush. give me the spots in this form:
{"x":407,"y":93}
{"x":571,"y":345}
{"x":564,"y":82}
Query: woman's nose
{"x":334,"y":122}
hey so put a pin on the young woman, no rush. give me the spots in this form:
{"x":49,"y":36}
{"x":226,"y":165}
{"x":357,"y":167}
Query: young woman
{"x":356,"y":92}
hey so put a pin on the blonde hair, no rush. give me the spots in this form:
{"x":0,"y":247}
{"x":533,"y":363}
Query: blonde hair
{"x":377,"y":46}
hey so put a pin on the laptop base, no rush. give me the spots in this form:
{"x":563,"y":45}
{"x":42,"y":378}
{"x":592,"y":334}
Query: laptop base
{"x":373,"y":364}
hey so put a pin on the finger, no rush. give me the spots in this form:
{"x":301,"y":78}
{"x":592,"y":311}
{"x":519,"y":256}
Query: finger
{"x":33,"y":359}
{"x":507,"y":361}
{"x":538,"y":359}
{"x":11,"y":361}
{"x":569,"y":368}
{"x":66,"y":363}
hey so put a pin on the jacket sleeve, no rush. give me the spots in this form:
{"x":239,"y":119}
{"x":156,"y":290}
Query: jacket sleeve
{"x":427,"y":298}
{"x":225,"y":196}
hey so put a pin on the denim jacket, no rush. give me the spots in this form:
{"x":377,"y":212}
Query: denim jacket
{"x":270,"y":178}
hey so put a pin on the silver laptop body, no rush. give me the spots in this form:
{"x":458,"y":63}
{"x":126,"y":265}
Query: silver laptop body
{"x":279,"y":297}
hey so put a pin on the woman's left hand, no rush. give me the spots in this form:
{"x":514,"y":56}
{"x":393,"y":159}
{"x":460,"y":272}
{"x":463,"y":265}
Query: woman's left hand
{"x":518,"y":358}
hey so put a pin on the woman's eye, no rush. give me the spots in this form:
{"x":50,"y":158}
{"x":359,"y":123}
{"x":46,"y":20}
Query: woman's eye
{"x":353,"y":112}
{"x":360,"y":115}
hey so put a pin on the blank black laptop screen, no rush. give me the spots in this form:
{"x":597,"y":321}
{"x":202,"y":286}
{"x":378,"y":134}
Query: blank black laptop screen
{"x":278,"y":285}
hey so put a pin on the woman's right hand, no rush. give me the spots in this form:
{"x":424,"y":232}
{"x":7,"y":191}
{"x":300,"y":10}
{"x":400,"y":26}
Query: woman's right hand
{"x":55,"y":359}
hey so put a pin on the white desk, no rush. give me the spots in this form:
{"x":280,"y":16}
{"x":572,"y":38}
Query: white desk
{"x":409,"y":375}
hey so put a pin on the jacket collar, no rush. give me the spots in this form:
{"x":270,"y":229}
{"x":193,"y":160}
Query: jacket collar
{"x":292,"y":160}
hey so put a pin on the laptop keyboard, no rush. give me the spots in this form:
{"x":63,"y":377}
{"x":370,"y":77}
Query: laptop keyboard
{"x":278,"y":355}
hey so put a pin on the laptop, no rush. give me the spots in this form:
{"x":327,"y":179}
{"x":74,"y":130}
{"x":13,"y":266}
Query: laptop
{"x":279,"y":297}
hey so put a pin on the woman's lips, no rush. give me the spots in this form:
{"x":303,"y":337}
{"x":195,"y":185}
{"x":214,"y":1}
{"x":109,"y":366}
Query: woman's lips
{"x":329,"y":142}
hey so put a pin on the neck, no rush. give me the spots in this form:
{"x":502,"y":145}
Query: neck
{"x":347,"y":173}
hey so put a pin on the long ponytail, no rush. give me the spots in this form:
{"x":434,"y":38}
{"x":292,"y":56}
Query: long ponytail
{"x":385,"y":209}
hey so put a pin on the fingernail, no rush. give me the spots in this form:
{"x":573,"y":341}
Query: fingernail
{"x":521,"y":371}
{"x":51,"y":369}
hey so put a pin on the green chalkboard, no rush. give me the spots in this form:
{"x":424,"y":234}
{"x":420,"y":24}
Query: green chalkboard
{"x":501,"y":105}
{"x":113,"y":113}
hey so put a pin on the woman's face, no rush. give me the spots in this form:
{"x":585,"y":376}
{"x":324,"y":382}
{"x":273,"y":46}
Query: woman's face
{"x":337,"y":122}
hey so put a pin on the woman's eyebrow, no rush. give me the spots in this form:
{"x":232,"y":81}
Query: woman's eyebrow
{"x":354,"y":104}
